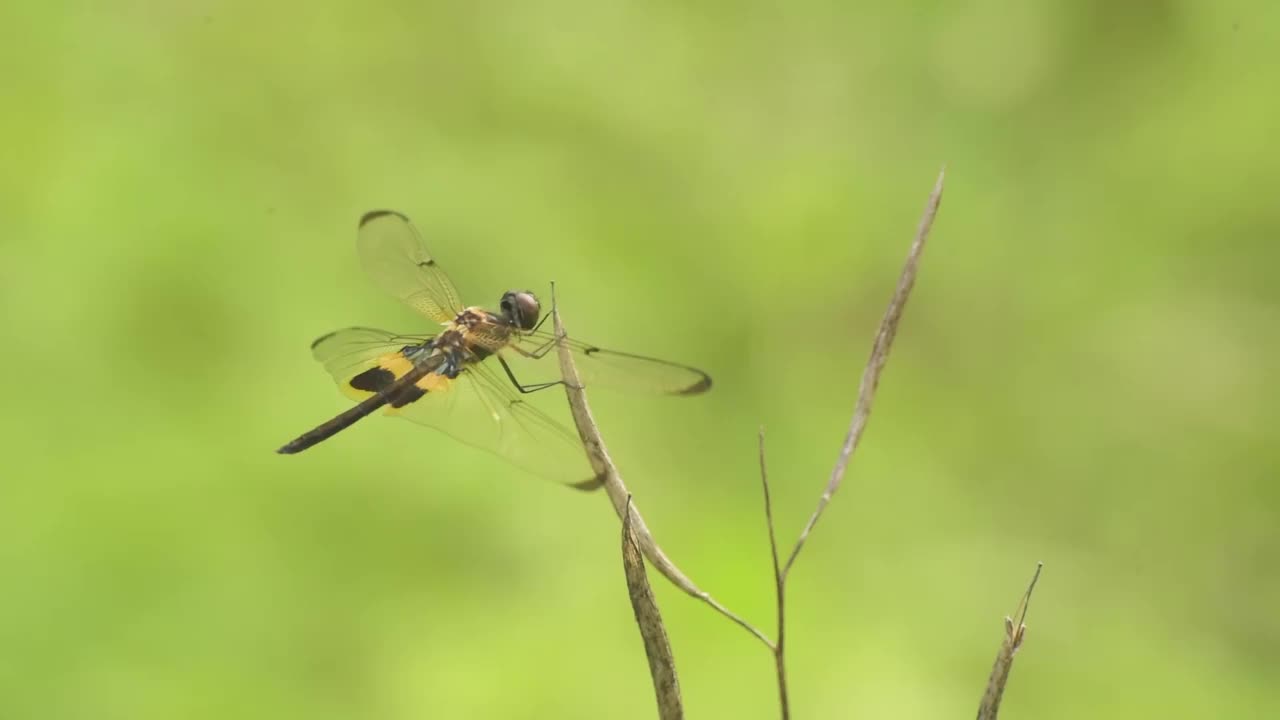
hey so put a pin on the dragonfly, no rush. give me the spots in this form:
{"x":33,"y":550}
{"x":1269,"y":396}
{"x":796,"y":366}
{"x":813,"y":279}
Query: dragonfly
{"x":462,"y":379}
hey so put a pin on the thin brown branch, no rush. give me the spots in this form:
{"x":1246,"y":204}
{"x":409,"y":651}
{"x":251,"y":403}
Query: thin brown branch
{"x":780,"y":586}
{"x":1013,"y":637}
{"x":662,"y":664}
{"x":617,"y":491}
{"x":861,"y":412}
{"x":875,"y":365}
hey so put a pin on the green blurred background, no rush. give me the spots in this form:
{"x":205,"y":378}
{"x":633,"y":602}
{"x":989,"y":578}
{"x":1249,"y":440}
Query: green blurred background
{"x":1085,"y":375}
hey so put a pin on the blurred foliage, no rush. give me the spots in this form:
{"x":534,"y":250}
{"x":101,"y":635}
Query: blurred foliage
{"x":1082,"y":376}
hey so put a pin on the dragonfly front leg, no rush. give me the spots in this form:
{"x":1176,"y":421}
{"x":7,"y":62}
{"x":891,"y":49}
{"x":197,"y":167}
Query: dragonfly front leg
{"x":535,"y":387}
{"x":537,"y":353}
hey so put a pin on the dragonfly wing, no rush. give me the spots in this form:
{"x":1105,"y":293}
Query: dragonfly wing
{"x":349,"y":353}
{"x":396,"y":258}
{"x":477,"y":408}
{"x":482,"y":410}
{"x":610,"y":368}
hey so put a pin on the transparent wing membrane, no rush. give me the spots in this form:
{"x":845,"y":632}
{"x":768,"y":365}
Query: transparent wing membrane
{"x":483,"y":410}
{"x":350,"y":351}
{"x":618,"y":370}
{"x":480,"y":407}
{"x":396,"y":258}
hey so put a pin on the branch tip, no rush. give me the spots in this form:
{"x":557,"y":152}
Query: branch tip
{"x":875,"y":364}
{"x":989,"y":708}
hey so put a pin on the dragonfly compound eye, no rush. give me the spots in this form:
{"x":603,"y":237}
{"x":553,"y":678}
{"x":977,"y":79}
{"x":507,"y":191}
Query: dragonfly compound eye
{"x":523,"y":308}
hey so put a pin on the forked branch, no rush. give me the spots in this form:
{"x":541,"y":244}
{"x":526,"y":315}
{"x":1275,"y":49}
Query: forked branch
{"x":636,"y":533}
{"x":861,"y":412}
{"x":602,"y":465}
{"x":780,"y":586}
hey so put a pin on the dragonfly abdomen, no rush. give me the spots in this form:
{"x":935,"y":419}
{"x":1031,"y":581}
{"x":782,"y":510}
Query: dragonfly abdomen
{"x":393,"y":392}
{"x":378,"y":379}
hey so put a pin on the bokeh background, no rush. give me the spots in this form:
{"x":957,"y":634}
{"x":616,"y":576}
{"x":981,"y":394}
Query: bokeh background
{"x":1086,"y":374}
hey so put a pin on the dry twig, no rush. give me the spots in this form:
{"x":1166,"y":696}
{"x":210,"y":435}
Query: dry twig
{"x":1013,"y":637}
{"x":636,"y":534}
{"x":779,"y":584}
{"x":662,"y":665}
{"x":617,"y":491}
{"x":871,"y":374}
{"x":861,"y":412}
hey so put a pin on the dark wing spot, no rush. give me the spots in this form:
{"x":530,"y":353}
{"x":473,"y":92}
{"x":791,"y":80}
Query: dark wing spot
{"x":594,"y":483}
{"x":590,"y":350}
{"x":373,"y":379}
{"x":427,"y":263}
{"x":378,"y":379}
{"x":322,"y":338}
{"x":375,"y":214}
{"x":699,"y":387}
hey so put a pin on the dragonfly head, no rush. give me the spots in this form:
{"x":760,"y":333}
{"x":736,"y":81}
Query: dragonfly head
{"x":520,"y":308}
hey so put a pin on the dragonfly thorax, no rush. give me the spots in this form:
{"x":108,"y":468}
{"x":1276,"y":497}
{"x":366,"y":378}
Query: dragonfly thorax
{"x":443,"y":355}
{"x":474,"y":317}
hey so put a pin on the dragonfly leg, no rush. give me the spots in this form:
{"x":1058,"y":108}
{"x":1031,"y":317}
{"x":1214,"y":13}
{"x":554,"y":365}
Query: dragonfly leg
{"x":540,"y":321}
{"x":537,"y":353}
{"x":534,"y":387}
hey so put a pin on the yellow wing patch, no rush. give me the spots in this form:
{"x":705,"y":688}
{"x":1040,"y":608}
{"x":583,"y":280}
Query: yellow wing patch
{"x":434,"y":383}
{"x":431,"y":383}
{"x":382,"y":372}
